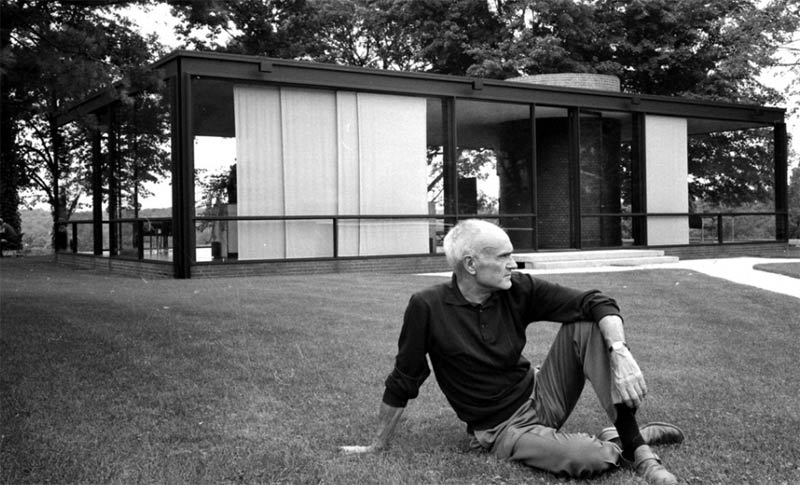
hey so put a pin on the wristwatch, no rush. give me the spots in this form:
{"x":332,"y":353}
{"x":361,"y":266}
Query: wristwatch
{"x":617,"y":345}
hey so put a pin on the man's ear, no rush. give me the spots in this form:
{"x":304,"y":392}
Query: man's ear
{"x":469,"y":265}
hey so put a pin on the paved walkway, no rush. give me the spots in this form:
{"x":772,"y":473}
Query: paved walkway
{"x":738,"y":270}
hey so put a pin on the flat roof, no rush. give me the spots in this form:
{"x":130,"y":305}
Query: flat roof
{"x":259,"y":69}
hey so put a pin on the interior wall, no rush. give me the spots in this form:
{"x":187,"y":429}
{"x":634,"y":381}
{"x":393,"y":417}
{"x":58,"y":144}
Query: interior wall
{"x":314,"y":152}
{"x":666,"y":179}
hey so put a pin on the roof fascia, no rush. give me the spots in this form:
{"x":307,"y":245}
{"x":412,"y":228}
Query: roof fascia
{"x":311,"y":74}
{"x":248,"y":68}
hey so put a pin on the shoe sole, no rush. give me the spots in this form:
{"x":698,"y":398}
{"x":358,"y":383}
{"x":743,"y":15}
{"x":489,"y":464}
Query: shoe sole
{"x":665,"y":441}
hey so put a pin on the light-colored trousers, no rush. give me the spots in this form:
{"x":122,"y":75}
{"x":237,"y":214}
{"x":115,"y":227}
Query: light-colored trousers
{"x":532,"y":436}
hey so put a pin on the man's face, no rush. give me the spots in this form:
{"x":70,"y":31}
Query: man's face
{"x":494,"y":262}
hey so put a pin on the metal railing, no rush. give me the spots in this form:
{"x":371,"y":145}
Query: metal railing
{"x":151,"y":238}
{"x":719,"y":217}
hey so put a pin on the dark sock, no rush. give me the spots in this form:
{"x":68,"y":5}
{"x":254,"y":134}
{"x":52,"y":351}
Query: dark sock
{"x":628,"y":430}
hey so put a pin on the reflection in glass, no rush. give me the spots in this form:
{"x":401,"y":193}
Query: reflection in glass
{"x":731,"y":172}
{"x":605,"y":178}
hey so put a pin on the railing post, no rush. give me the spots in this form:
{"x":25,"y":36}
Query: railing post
{"x":335,"y":237}
{"x":720,"y":238}
{"x":74,"y":238}
{"x":140,"y":239}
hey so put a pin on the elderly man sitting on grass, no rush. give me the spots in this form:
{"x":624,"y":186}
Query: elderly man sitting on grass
{"x":473,"y":330}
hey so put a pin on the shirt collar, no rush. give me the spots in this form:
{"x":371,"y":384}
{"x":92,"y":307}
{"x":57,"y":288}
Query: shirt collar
{"x":454,"y":297}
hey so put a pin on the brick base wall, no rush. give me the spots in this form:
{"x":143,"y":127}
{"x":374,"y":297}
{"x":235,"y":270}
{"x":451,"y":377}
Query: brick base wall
{"x":149,"y":269}
{"x":397,"y":265}
{"x":127,"y":267}
{"x":760,"y":250}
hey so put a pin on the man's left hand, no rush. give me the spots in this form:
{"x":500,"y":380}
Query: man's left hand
{"x":628,"y":384}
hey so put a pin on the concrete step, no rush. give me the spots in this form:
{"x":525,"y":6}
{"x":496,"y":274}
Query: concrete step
{"x":595,"y":263}
{"x":591,"y":259}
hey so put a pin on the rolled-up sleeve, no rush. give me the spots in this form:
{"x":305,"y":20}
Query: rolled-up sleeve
{"x":411,"y":364}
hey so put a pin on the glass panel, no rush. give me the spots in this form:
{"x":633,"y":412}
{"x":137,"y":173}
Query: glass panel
{"x":74,"y":182}
{"x":129,"y":240}
{"x":435,"y":134}
{"x":83,"y":240}
{"x":749,"y":228}
{"x":494,"y":159}
{"x":731,"y":170}
{"x":216,"y":240}
{"x":144,"y":154}
{"x":157,"y":239}
{"x":605,"y":178}
{"x":214,"y":135}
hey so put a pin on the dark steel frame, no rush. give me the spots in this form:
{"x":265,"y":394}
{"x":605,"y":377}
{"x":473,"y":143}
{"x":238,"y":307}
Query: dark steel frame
{"x":180,"y":67}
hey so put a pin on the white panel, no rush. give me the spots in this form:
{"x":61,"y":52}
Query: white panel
{"x":310,"y":169}
{"x":259,"y":171}
{"x":667,"y":179}
{"x":393,"y":172}
{"x":349,"y":192}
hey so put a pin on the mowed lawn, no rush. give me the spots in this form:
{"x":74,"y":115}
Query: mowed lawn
{"x":110,"y":379}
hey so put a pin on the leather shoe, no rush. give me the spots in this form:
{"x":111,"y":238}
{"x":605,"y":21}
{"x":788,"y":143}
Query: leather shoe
{"x":648,"y":466}
{"x":653,"y":433}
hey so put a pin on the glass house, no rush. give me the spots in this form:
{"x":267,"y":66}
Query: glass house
{"x":250,"y":165}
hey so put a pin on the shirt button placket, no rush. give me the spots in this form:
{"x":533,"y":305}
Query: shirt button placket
{"x":484,"y":326}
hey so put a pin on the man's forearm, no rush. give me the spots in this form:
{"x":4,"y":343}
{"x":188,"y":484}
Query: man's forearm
{"x":612,"y":329}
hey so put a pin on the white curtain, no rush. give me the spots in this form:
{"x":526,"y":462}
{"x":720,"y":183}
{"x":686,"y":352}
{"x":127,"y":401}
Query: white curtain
{"x":314,"y":152}
{"x":393,"y":173}
{"x":309,"y":164}
{"x":259,"y":171}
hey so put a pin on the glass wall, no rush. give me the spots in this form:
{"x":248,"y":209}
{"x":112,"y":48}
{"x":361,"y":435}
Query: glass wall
{"x":75,"y":188}
{"x":606,"y":168}
{"x":214,"y":145}
{"x":731,"y":183}
{"x":494,"y":166}
{"x":287,"y":173}
{"x":119,"y":159}
{"x":435,"y":143}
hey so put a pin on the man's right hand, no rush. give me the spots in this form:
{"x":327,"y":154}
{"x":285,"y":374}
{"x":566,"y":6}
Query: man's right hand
{"x":628,"y":384}
{"x":388,"y":417}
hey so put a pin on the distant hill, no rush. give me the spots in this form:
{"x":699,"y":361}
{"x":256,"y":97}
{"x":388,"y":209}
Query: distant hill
{"x":37,"y":224}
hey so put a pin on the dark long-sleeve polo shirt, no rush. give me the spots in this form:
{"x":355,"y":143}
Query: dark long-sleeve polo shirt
{"x":476,"y":350}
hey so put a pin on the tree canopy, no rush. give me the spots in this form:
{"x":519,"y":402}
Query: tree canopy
{"x":53,"y":55}
{"x":713,"y":50}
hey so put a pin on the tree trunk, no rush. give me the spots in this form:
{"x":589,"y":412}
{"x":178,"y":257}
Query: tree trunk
{"x":10,"y":174}
{"x":56,"y":203}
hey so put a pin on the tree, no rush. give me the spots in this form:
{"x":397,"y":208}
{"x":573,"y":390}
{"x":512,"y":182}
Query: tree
{"x":55,"y":54}
{"x":694,"y":48}
{"x":423,"y":35}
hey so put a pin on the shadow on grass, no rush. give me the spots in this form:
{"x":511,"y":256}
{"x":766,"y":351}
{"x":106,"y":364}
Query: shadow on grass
{"x":259,"y":380}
